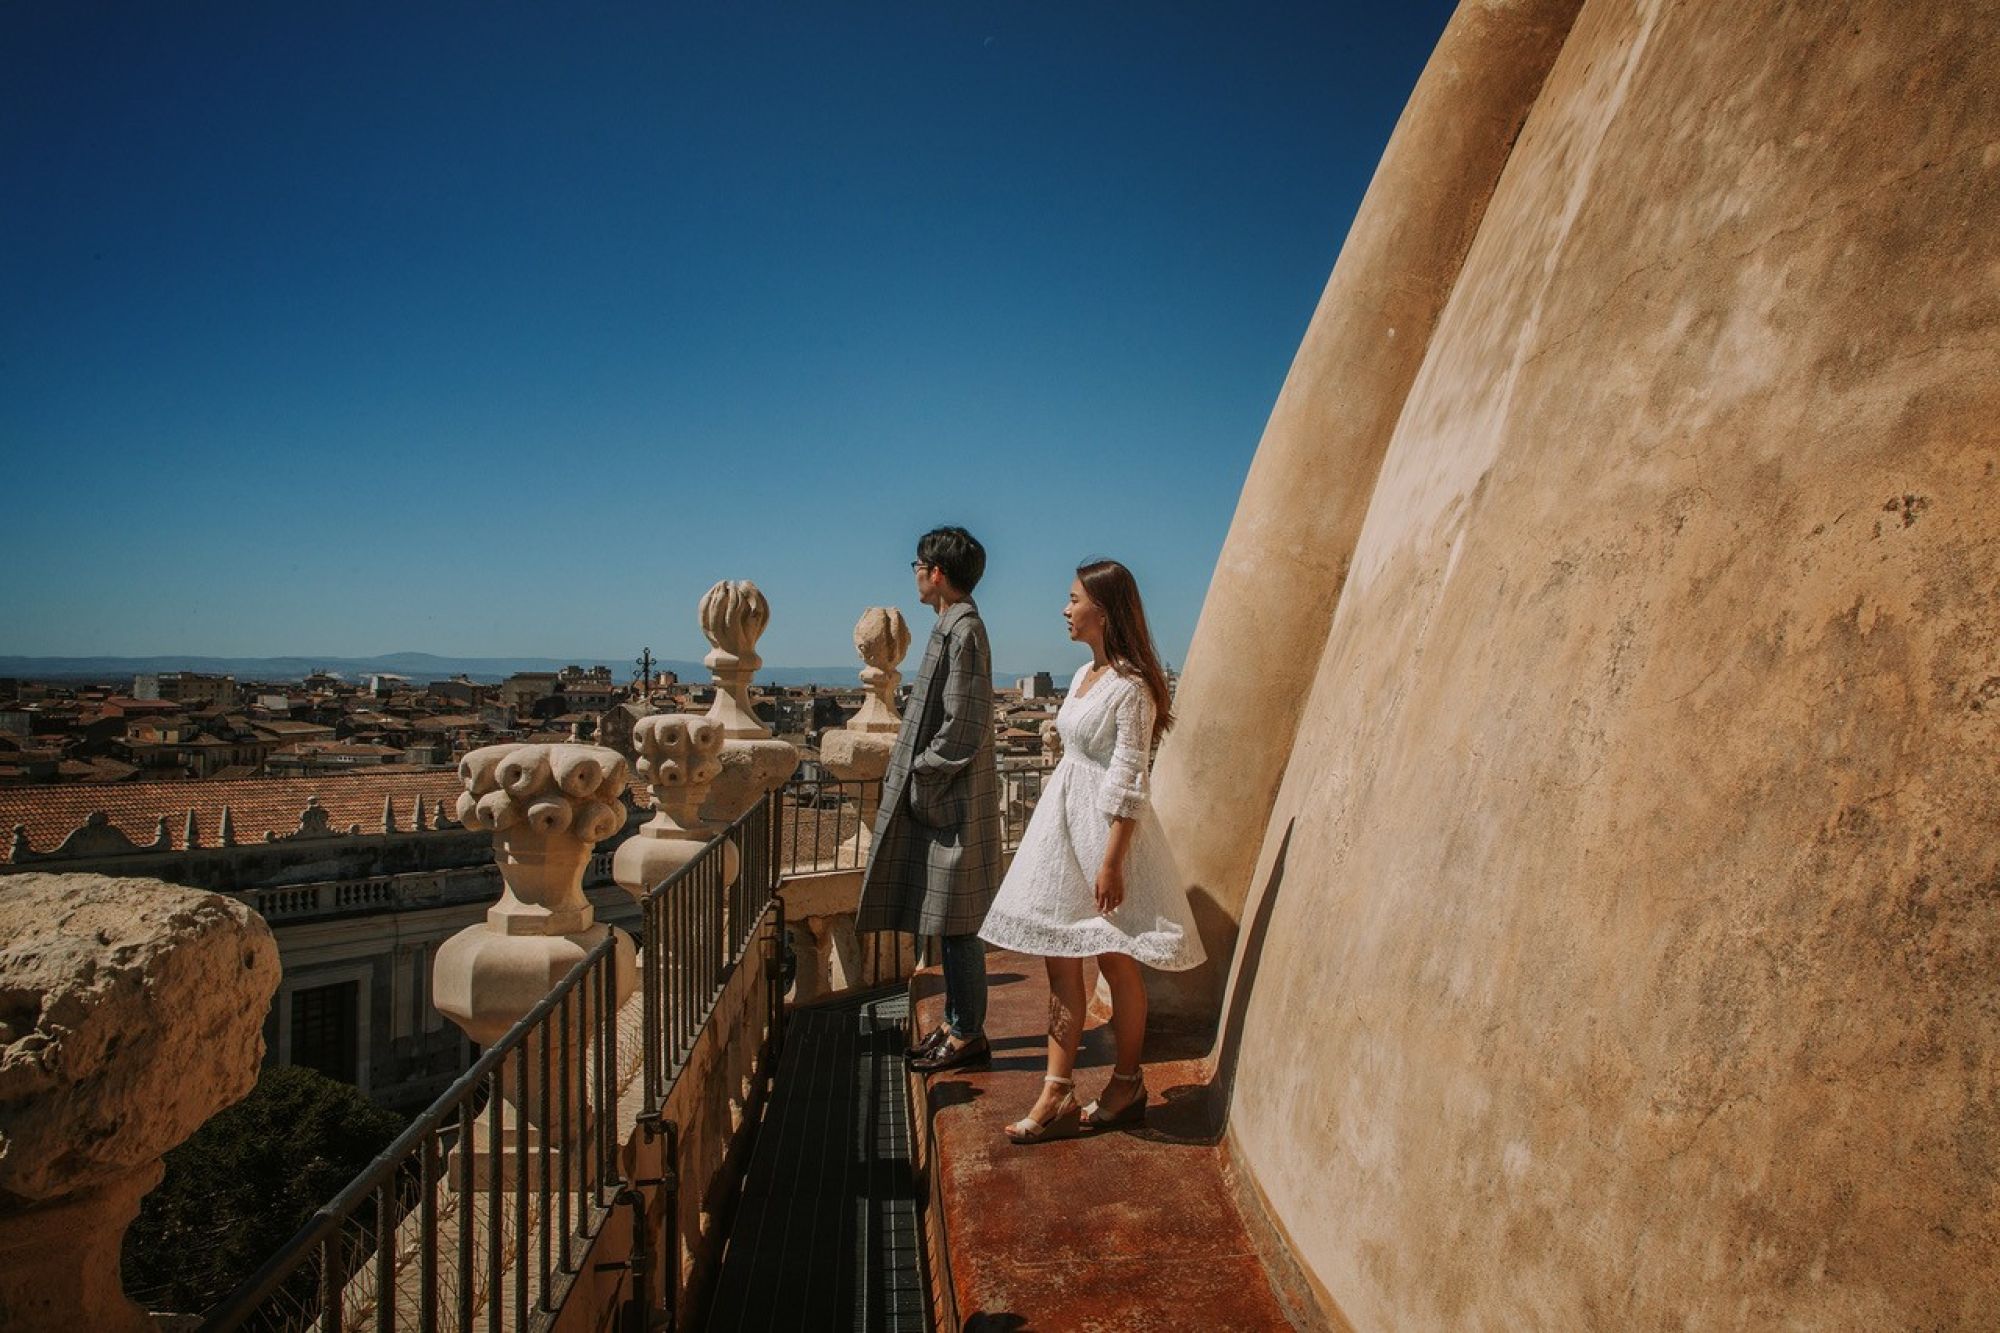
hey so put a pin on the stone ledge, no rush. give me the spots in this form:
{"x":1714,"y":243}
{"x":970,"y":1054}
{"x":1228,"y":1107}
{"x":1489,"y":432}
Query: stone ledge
{"x":1135,"y":1230}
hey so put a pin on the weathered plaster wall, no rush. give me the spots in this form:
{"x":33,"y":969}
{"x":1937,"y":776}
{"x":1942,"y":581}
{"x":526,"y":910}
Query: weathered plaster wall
{"x":1286,"y":556}
{"x":1634,"y":935}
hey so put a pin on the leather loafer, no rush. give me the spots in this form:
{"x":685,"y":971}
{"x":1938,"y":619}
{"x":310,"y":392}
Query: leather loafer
{"x":974,"y":1052}
{"x":935,"y":1039}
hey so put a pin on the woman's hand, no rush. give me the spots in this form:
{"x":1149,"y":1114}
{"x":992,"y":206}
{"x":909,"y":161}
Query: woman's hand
{"x":1110,"y":887}
{"x":1111,"y":876}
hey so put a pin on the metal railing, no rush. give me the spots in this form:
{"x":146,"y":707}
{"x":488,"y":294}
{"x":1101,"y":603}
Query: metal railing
{"x":436,"y":1235}
{"x":1021,"y":785}
{"x":822,"y":815}
{"x":697,"y":925}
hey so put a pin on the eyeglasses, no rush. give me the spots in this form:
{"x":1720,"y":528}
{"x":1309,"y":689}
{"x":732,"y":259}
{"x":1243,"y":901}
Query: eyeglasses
{"x":917,"y":566}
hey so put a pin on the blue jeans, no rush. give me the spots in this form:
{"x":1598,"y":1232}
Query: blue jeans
{"x":964,"y":959}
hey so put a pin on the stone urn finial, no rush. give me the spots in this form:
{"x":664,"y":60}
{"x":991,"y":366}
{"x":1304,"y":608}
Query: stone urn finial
{"x":680,"y":757}
{"x":859,"y":752}
{"x":882,"y":637}
{"x":547,"y":806}
{"x":734,"y":616}
{"x":130,"y":1012}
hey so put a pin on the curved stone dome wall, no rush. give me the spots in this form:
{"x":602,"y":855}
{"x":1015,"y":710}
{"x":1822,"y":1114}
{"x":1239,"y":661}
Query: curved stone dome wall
{"x":1623,"y":945}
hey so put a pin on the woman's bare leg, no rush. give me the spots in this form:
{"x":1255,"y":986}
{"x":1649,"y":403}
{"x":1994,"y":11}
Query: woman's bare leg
{"x":1128,"y":1026}
{"x":1066,"y":1001}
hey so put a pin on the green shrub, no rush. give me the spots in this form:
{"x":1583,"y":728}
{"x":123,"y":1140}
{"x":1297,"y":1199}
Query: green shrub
{"x":246,"y":1182}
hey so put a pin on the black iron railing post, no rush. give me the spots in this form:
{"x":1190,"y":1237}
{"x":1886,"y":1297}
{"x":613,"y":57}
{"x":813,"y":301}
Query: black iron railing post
{"x":697,"y":928}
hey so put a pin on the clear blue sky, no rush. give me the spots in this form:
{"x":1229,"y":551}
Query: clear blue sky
{"x":508,"y":328}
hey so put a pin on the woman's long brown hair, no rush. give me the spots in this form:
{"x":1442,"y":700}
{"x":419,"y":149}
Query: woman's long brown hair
{"x":1128,"y":642}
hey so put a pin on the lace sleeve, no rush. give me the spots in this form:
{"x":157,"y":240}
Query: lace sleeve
{"x":1125,"y":785}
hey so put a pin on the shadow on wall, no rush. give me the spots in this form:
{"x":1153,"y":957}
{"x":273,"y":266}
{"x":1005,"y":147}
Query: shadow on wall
{"x":1246,"y":981}
{"x":1186,"y":1006}
{"x":1198,"y":1113}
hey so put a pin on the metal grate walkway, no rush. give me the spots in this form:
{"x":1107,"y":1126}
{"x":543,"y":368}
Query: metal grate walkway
{"x":825,"y":1234}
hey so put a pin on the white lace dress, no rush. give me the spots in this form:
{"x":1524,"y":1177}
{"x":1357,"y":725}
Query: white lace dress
{"x":1047,"y":903}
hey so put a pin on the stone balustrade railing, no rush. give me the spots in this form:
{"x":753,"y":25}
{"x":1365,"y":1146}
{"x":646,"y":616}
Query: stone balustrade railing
{"x":623,"y":1081}
{"x":593,"y":1087}
{"x":607,"y":1098}
{"x":426,"y":888}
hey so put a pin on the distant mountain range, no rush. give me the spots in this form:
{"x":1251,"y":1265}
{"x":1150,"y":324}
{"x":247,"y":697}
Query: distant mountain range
{"x":421,"y":668}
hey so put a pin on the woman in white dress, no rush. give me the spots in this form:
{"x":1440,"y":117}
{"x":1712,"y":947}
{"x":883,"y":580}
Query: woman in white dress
{"x":1094,"y":876}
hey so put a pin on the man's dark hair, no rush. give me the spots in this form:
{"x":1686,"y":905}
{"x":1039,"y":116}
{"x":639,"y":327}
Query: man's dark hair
{"x":955,"y":552}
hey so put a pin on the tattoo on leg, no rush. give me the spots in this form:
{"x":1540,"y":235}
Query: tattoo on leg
{"x":1061,"y":1021}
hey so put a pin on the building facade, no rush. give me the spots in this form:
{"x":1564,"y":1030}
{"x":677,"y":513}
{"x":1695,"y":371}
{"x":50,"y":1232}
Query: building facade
{"x":360,"y":877}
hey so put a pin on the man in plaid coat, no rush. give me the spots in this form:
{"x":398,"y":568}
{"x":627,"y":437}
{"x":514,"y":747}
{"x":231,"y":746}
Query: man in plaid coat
{"x":935,"y":864}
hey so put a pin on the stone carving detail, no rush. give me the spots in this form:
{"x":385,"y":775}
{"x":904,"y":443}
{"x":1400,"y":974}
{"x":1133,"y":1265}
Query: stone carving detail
{"x":544,"y":790}
{"x":680,"y":757}
{"x":680,"y":754}
{"x":882,"y":637}
{"x":314,"y":822}
{"x":96,"y":836}
{"x":859,"y":751}
{"x":831,"y":955}
{"x":734,"y":616}
{"x":546,"y":806}
{"x":130,"y":1012}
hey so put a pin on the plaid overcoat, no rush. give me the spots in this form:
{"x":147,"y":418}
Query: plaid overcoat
{"x":935,"y":863}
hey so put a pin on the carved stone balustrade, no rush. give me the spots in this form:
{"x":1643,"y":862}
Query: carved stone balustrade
{"x":547,"y":806}
{"x":680,"y":757}
{"x":734,"y":615}
{"x":830,"y":955}
{"x":860,"y":750}
{"x":130,"y":1012}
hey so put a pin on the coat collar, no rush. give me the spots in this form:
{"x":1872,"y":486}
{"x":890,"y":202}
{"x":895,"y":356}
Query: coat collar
{"x":956,"y":612}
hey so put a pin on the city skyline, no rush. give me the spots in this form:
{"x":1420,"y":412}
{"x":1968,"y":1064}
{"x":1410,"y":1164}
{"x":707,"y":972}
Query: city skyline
{"x":481,"y":333}
{"x":111,"y":669}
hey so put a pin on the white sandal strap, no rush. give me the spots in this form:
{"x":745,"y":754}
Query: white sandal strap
{"x":1059,"y":1082}
{"x":1137,"y":1076}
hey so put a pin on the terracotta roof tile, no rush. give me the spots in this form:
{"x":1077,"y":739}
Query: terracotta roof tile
{"x":334,"y":748}
{"x":282,"y":728}
{"x":50,"y":812}
{"x":95,"y":770}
